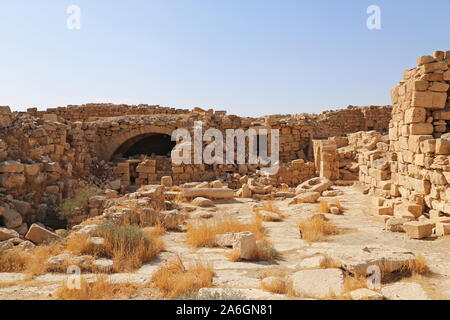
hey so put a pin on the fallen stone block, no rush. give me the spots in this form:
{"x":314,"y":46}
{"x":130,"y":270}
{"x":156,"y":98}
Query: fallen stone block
{"x":314,"y":185}
{"x":210,"y":193}
{"x":166,"y":181}
{"x":359,"y":260}
{"x":442,"y":229}
{"x":318,"y":284}
{"x":38,"y":234}
{"x":6,"y":234}
{"x":418,"y":229}
{"x":242,"y":242}
{"x":395,"y":224}
{"x":11,"y":218}
{"x":308,"y":197}
{"x":202,"y":202}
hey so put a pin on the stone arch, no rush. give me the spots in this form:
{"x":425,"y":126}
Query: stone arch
{"x":111,"y":144}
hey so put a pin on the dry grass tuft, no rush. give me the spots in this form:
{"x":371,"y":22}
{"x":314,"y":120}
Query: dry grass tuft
{"x":354,"y":283}
{"x":264,"y":252}
{"x":128,"y":246}
{"x":277,"y":286}
{"x":324,"y":206}
{"x":316,"y":228}
{"x":419,"y":266}
{"x":14,"y":260}
{"x":99,"y":289}
{"x":174,"y":279}
{"x":329,"y":263}
{"x":203,"y":233}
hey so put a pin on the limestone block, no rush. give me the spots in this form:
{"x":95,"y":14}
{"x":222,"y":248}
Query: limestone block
{"x":421,"y":128}
{"x":442,"y":146}
{"x":39,"y":234}
{"x":6,"y":234}
{"x":442,"y":229}
{"x":318,"y":284}
{"x":415,"y":115}
{"x":11,"y":167}
{"x":418,"y":229}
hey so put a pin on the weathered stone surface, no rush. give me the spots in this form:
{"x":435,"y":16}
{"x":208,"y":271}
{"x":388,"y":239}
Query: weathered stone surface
{"x":6,"y":234}
{"x":442,"y":229}
{"x":404,"y":291}
{"x":202,"y":202}
{"x":39,"y":234}
{"x":318,"y":283}
{"x":359,"y":259}
{"x":103,"y":264}
{"x":307,"y":197}
{"x":166,"y":181}
{"x":418,"y":229}
{"x":242,"y":242}
{"x":210,"y":193}
{"x":314,"y":185}
{"x":365,"y":294}
{"x":11,"y":218}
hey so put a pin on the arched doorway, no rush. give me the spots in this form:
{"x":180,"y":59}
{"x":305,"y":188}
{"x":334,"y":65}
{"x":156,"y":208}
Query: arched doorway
{"x":150,"y":144}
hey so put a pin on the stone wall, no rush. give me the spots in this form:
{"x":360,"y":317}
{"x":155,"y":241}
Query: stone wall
{"x":420,"y":134}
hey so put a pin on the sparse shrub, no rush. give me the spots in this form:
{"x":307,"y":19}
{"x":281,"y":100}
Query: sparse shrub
{"x":269,"y":207}
{"x":316,"y":228}
{"x":128,"y":246}
{"x":203,"y":233}
{"x":324,"y":207}
{"x":277,"y":286}
{"x":68,"y":207}
{"x":419,"y":266}
{"x":99,"y":289}
{"x":175,"y":280}
{"x":14,"y":260}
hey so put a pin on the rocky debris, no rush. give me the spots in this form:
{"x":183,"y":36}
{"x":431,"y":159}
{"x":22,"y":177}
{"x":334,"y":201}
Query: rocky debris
{"x":11,"y":218}
{"x":38,"y":234}
{"x":442,"y":229}
{"x":103,"y":265}
{"x":202,"y":202}
{"x":242,"y":242}
{"x":365,"y":294}
{"x":96,"y":243}
{"x":210,"y":193}
{"x":312,"y":262}
{"x":166,"y":181}
{"x":201,"y":215}
{"x":245,"y":191}
{"x":395,"y":224}
{"x":87,"y":229}
{"x":404,"y":291}
{"x":6,"y":234}
{"x":418,"y":229}
{"x":318,"y":184}
{"x":59,"y":262}
{"x":307,"y":197}
{"x":172,"y":219}
{"x":269,"y":216}
{"x":318,"y":284}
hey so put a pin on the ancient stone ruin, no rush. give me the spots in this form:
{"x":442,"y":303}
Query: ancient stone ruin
{"x":364,"y":183}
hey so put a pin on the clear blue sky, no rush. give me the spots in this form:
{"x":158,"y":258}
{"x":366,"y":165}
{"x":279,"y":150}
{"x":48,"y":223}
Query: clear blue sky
{"x":249,"y":57}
